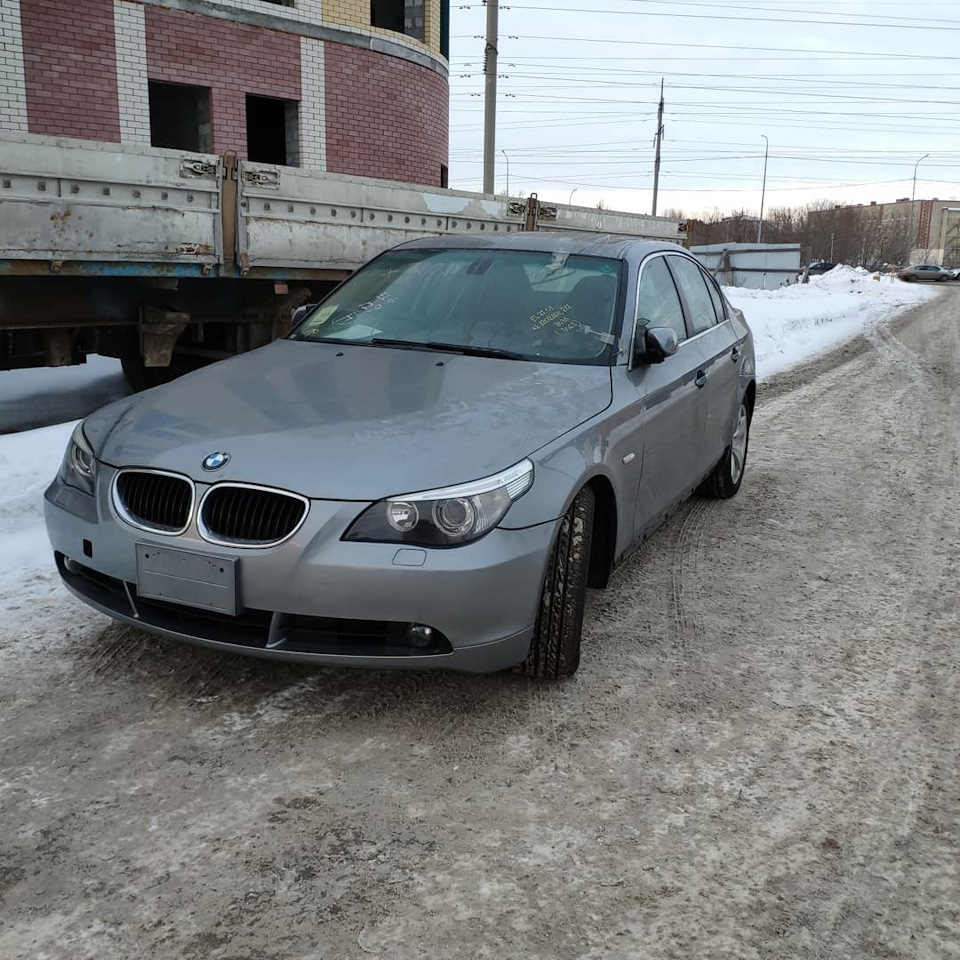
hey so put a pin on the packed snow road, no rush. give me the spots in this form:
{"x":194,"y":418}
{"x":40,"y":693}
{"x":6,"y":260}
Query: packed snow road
{"x":758,"y":758}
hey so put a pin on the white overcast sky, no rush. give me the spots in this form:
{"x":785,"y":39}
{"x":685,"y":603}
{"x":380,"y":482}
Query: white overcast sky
{"x":850,"y":94}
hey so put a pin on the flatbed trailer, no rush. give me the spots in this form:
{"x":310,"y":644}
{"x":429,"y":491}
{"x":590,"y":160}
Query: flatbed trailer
{"x":168,"y":259}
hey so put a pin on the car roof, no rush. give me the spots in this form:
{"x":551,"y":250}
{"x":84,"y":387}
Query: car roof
{"x":613,"y":246}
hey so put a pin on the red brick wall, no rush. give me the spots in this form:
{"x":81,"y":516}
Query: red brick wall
{"x":386,"y":117}
{"x":70,"y":68}
{"x":233,"y":59}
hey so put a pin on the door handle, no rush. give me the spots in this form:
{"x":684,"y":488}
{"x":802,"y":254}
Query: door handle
{"x":735,"y":353}
{"x":701,"y":380}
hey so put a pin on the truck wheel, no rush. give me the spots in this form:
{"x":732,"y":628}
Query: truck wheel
{"x":555,"y":647}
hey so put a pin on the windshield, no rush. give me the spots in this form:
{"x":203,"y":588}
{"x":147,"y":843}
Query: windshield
{"x":521,"y":304}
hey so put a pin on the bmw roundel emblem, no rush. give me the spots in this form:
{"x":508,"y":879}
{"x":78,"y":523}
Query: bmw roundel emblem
{"x":216,"y":460}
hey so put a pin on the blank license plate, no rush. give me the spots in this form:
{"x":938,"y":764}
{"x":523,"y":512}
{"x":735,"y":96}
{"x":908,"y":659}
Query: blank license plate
{"x":193,"y":579}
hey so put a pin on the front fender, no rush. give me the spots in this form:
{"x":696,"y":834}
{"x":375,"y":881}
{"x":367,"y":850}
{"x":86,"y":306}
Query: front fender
{"x":559,"y":474}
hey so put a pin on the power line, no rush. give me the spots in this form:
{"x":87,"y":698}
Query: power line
{"x":713,"y":16}
{"x":723,"y":46}
{"x":601,"y":81}
{"x":774,"y":9}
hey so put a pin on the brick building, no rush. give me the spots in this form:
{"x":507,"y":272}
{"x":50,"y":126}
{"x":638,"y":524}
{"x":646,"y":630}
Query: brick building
{"x":905,"y":231}
{"x":347,"y":86}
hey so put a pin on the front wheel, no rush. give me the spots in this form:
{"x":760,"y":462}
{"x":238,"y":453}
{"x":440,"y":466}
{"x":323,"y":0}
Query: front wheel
{"x":725,"y":480}
{"x":555,"y":647}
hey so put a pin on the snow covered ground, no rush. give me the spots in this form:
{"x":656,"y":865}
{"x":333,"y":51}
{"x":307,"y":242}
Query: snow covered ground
{"x":790,"y":325}
{"x":38,"y":397}
{"x":794,"y":323}
{"x":28,"y":462}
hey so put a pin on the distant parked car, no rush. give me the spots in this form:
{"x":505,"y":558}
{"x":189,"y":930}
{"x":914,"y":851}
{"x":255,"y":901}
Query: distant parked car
{"x":816,"y":269}
{"x":924,"y":271}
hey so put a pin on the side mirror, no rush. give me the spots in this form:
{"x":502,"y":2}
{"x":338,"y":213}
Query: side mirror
{"x":656,"y":345}
{"x":301,"y":312}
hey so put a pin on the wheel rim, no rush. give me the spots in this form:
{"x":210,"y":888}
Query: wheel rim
{"x":738,"y":448}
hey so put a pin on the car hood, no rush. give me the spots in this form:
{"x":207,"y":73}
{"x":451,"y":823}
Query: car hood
{"x":351,"y":422}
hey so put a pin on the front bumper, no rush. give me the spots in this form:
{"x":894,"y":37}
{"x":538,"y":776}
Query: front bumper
{"x":316,"y":598}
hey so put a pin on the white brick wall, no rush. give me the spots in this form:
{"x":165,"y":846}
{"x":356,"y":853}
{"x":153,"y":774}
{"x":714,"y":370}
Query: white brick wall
{"x":131,"y":42}
{"x":313,"y":106}
{"x":13,"y":89}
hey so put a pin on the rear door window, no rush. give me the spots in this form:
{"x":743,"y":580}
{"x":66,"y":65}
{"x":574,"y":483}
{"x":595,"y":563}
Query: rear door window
{"x":693,"y":287}
{"x":658,"y":303}
{"x":718,"y":306}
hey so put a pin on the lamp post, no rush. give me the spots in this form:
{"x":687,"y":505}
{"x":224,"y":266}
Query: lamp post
{"x":913,"y":197}
{"x":763,"y":194}
{"x":504,"y":152}
{"x":572,"y":192}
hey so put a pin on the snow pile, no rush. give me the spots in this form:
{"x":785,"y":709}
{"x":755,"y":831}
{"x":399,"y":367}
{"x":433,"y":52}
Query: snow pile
{"x":37,"y":614}
{"x":40,"y":396}
{"x":794,"y":323}
{"x":28,"y":462}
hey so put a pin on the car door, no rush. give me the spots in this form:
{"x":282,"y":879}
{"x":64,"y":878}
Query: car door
{"x":666,"y":433}
{"x":724,"y":351}
{"x":718,"y":360}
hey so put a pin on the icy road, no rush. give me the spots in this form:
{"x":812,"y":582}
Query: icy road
{"x":758,"y":758}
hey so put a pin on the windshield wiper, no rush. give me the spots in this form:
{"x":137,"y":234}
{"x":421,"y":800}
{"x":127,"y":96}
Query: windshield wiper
{"x":465,"y":350}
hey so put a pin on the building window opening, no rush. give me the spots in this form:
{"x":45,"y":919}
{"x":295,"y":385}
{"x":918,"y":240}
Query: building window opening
{"x":444,"y":176}
{"x":445,"y":28}
{"x":180,"y":117}
{"x":272,"y":131}
{"x":401,"y":16}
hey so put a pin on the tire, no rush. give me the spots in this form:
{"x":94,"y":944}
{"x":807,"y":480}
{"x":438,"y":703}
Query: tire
{"x":555,"y":647}
{"x":724,"y":482}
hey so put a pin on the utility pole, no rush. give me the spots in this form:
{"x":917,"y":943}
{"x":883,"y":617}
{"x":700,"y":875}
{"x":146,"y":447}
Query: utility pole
{"x":656,"y":161}
{"x":913,"y":197}
{"x":507,"y":158}
{"x":490,"y":95}
{"x":763,"y":194}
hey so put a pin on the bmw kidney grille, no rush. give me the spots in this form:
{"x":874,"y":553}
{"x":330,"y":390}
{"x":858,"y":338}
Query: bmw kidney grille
{"x":250,"y":516}
{"x":154,"y":501}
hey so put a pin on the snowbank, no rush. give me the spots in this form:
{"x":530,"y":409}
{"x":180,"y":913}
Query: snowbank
{"x":37,"y":397}
{"x":794,"y":323}
{"x":28,"y":462}
{"x":37,"y":614}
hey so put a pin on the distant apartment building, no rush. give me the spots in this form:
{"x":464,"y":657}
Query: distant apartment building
{"x":347,"y":86}
{"x":897,"y":233}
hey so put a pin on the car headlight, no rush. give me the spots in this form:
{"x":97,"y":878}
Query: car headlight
{"x":79,"y":467}
{"x":444,"y":518}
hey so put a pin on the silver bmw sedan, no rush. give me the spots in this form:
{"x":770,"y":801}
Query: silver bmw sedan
{"x":429,"y":471}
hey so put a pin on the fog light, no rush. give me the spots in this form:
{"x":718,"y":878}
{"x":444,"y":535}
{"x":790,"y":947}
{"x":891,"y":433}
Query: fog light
{"x":420,"y":635}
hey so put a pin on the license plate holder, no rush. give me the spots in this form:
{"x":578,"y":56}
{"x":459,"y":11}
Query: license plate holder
{"x":187,"y":578}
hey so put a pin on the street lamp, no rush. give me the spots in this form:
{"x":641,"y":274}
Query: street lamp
{"x":913,"y":197}
{"x":504,"y":152}
{"x":572,"y":192}
{"x":763,"y":195}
